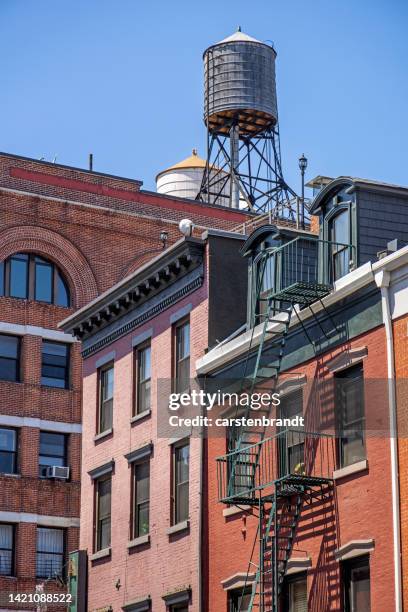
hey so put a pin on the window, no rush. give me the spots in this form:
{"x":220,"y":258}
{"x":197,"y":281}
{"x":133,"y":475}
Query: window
{"x":28,"y":276}
{"x":350,"y":414}
{"x":6,"y":549}
{"x":179,"y":608}
{"x":141,"y":498}
{"x":55,"y":365}
{"x":340,"y":250}
{"x":143,"y":385}
{"x":181,"y":461}
{"x":105,"y":398}
{"x":9,"y":358}
{"x":238,"y":600}
{"x":292,"y":442}
{"x":356,"y":580}
{"x":53,"y":451}
{"x":103,"y":513}
{"x":240,"y":475}
{"x":182,"y":356}
{"x":50,"y":552}
{"x":8,"y":451}
{"x":297,"y":594}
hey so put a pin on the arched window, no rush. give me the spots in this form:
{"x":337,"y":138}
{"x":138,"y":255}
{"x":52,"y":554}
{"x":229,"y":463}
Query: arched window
{"x":339,"y":236}
{"x":29,"y":276}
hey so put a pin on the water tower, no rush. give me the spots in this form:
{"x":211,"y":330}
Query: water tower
{"x":241,"y":116}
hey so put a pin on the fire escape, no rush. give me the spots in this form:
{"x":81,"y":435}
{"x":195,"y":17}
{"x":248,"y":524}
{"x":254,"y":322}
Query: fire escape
{"x":258,"y":471}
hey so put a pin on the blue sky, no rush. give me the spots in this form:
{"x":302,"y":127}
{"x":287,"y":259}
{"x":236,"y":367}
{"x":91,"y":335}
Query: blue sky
{"x":123,"y":79}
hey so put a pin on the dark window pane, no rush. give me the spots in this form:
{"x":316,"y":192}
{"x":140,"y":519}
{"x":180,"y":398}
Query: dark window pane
{"x":103,"y":534}
{"x":2,"y":286}
{"x":106,"y":399}
{"x":52,"y":444}
{"x":8,"y":439}
{"x":6,"y":549}
{"x":50,"y":552}
{"x":142,"y":492}
{"x":143,"y":379}
{"x":43,"y":281}
{"x":55,"y":362}
{"x":19,"y":276}
{"x":7,"y":462}
{"x":350,"y":413}
{"x":181,"y":482}
{"x":182,"y":357}
{"x":62,"y":297}
{"x":9,"y":346}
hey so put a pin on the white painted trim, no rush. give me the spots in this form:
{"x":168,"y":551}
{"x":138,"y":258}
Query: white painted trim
{"x":297,"y":565}
{"x":349,"y":470}
{"x":39,"y":519}
{"x":347,"y":358}
{"x":354,"y":548}
{"x":33,"y":330}
{"x":234,"y":510}
{"x":16,"y":421}
{"x":237,"y":581}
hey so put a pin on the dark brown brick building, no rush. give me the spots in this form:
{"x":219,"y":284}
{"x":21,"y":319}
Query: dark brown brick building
{"x":66,"y":236}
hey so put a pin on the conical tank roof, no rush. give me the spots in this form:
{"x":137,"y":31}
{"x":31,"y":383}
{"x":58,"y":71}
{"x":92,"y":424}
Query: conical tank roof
{"x":239,"y":36}
{"x":193,"y":161}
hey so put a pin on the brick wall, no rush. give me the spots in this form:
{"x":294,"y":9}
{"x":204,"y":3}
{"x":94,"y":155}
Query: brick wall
{"x":97,"y":229}
{"x":359,"y":508}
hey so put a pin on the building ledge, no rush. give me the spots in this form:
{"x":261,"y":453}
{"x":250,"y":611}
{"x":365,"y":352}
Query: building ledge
{"x":101,"y":554}
{"x":183,"y":526}
{"x":232,"y":510}
{"x":144,"y":539}
{"x":140,"y":416}
{"x":103,"y":434}
{"x":355,"y":468}
{"x":237,"y":581}
{"x":354,"y":548}
{"x":298,"y":564}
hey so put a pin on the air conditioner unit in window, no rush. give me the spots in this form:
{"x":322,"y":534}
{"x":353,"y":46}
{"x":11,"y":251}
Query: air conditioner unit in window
{"x":55,"y":471}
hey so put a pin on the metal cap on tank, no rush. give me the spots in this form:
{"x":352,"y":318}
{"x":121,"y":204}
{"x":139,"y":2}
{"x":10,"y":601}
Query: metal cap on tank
{"x":240,"y":85}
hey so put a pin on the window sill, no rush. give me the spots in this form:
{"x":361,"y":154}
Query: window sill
{"x":103,"y":434}
{"x":101,"y":554}
{"x":144,"y":539}
{"x":183,"y":526}
{"x":11,"y":475}
{"x":140,"y":416}
{"x":349,"y":470}
{"x":232,"y":510}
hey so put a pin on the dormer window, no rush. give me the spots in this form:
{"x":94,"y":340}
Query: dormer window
{"x":339,"y":232}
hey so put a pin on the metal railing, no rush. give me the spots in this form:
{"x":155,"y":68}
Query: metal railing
{"x":292,"y":454}
{"x":292,"y":204}
{"x":302,"y":269}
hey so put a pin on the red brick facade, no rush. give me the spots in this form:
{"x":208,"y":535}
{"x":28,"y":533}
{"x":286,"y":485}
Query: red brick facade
{"x":97,"y":229}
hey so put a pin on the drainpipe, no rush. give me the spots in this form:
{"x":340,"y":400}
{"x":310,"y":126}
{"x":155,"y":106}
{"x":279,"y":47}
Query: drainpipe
{"x":382,"y":280}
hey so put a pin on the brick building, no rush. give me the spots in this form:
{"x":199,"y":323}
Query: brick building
{"x":66,"y":236}
{"x":142,"y":485}
{"x":311,"y":521}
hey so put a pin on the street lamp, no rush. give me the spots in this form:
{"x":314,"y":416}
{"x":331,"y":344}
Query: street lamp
{"x":303,"y":166}
{"x":163,"y":238}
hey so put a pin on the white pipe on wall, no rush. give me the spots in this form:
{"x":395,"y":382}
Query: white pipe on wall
{"x":382,"y":280}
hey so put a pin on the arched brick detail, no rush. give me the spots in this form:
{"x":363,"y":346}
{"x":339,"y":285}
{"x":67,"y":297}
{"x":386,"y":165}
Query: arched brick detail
{"x":72,"y":263}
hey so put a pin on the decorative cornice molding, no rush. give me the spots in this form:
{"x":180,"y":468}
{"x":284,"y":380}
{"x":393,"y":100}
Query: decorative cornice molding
{"x":145,"y":316}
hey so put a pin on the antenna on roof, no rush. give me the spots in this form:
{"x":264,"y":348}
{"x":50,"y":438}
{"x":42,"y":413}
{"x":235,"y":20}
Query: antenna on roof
{"x":90,"y":162}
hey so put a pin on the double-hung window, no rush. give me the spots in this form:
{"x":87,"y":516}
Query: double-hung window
{"x":143,"y":382}
{"x":53,"y":451}
{"x":350,"y":413}
{"x":340,"y":249}
{"x":105,"y":398}
{"x":141,"y":498}
{"x":239,"y":600}
{"x":55,"y":365}
{"x":103,"y":512}
{"x":6,"y":549}
{"x":181,"y":465}
{"x":50,"y":552}
{"x":356,"y":582}
{"x":8,"y":450}
{"x":9,"y":358}
{"x":182,"y":356}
